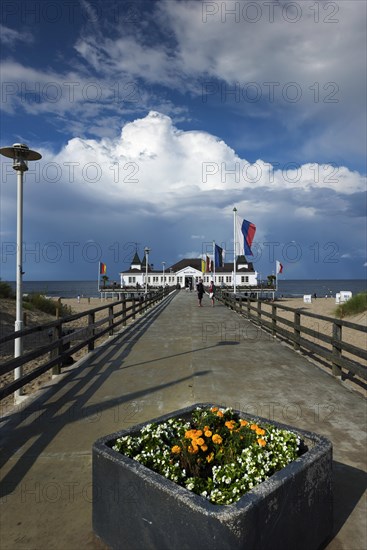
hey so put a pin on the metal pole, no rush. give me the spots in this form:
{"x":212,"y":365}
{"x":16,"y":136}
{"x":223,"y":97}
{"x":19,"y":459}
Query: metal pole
{"x":21,"y":154}
{"x":164,"y":280}
{"x":18,"y":342}
{"x":146,"y":270}
{"x":214,"y":262}
{"x":235,"y":247}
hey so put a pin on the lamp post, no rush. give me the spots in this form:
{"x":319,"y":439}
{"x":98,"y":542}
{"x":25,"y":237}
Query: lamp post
{"x":164,"y":277}
{"x":146,"y":251}
{"x":21,"y":154}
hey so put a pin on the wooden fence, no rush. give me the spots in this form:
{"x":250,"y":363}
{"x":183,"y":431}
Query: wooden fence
{"x":345,"y":359}
{"x":57,"y":341}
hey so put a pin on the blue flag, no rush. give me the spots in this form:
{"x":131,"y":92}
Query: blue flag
{"x":218,"y":256}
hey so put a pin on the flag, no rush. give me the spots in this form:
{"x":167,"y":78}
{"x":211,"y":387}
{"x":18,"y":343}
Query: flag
{"x":279,"y":267}
{"x":218,"y":256}
{"x":102,"y":268}
{"x":245,"y":232}
{"x":207,"y":265}
{"x":203,"y":266}
{"x":248,"y":230}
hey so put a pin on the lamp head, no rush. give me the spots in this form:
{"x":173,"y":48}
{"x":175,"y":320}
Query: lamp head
{"x":21,"y":154}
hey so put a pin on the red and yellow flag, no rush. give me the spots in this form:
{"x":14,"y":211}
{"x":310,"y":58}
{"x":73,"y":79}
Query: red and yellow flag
{"x":102,"y":268}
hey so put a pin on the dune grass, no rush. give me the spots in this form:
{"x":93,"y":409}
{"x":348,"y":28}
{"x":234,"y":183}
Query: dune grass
{"x":37,"y":301}
{"x":356,"y":304}
{"x":6,"y":291}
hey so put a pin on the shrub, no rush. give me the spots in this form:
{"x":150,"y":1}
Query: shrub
{"x":356,"y":304}
{"x":38,"y":301}
{"x":6,"y":291}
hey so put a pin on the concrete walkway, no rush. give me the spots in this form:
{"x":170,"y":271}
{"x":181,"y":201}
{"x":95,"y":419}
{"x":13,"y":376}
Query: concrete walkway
{"x":176,"y":355}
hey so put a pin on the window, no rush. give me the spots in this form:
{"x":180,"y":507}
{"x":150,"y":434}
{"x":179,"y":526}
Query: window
{"x":228,"y":279}
{"x":131,"y":279}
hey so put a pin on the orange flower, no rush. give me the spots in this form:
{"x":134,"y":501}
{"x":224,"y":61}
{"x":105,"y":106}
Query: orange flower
{"x":217,"y":439}
{"x":193,"y":449}
{"x":214,"y":409}
{"x":204,"y":447}
{"x":199,"y":441}
{"x":260,"y":431}
{"x":243,"y":422}
{"x":219,"y":413}
{"x":261,"y":442}
{"x":208,"y":433}
{"x":210,"y":457}
{"x":230,"y":424}
{"x":193,"y":434}
{"x":176,"y":449}
{"x":253,"y":426}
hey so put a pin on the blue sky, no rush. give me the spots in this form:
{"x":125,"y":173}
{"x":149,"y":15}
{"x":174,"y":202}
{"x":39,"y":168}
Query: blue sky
{"x":155,"y":119}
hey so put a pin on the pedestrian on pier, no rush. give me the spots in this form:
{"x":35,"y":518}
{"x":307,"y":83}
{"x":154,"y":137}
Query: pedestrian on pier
{"x":212,"y":292}
{"x":200,"y":291}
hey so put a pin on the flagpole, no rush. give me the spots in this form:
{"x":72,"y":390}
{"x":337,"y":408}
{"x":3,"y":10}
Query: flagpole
{"x":99,"y":275}
{"x":214,"y":262}
{"x":235,"y":249}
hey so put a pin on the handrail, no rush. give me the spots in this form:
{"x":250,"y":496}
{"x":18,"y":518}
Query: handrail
{"x":336,"y":347}
{"x":57,"y":339}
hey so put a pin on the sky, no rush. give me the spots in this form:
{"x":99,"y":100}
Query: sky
{"x":155,"y":119}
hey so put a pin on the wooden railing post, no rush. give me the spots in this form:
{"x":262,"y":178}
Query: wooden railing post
{"x":133,"y":307}
{"x":259,"y":310}
{"x":56,"y":335}
{"x":248,"y":307}
{"x":337,"y":350}
{"x":273,"y":319}
{"x":297,"y":330}
{"x":124,"y":312}
{"x":91,"y":330}
{"x":110,"y":320}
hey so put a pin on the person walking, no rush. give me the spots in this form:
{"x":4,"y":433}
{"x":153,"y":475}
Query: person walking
{"x":212,"y":292}
{"x":200,"y":291}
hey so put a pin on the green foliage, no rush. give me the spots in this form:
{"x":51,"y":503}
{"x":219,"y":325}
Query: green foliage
{"x":215,"y":453}
{"x":38,"y":301}
{"x":356,"y":304}
{"x":6,"y":291}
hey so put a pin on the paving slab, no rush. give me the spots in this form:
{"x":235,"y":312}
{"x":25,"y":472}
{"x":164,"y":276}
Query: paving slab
{"x":175,"y":355}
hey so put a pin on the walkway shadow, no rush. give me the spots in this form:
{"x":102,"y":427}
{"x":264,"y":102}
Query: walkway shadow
{"x":29,"y":431}
{"x":349,"y":485}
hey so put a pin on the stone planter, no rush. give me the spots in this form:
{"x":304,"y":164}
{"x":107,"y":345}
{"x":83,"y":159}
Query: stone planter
{"x":136,"y":508}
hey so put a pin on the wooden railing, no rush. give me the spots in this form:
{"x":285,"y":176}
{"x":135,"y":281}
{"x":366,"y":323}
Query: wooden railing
{"x":329,"y":344}
{"x":58,"y":340}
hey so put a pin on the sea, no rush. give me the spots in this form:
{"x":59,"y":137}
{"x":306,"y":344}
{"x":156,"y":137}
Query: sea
{"x":286,"y":288}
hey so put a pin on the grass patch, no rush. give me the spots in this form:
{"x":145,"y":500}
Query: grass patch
{"x":36,"y":301}
{"x":356,"y":304}
{"x":6,"y":291}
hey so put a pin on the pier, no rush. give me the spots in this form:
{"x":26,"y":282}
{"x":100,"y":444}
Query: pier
{"x":173,"y":355}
